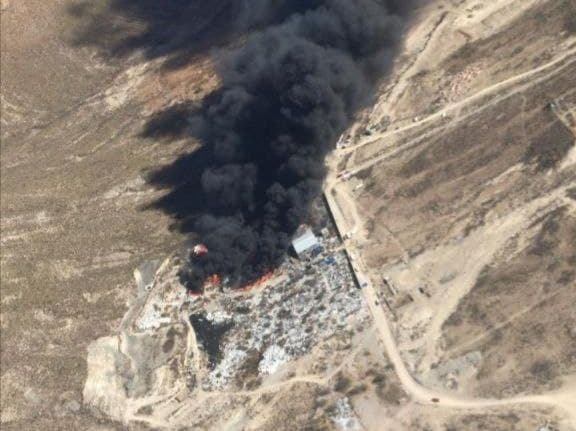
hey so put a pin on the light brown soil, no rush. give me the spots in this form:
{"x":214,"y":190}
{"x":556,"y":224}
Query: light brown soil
{"x":73,"y":194}
{"x":467,"y":208}
{"x":460,"y":193}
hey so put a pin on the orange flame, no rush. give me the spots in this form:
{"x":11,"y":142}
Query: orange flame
{"x":267,"y":276}
{"x":213,"y":279}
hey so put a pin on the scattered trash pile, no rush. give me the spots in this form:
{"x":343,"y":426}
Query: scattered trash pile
{"x":344,"y":417}
{"x":312,"y":300}
{"x":172,"y":345}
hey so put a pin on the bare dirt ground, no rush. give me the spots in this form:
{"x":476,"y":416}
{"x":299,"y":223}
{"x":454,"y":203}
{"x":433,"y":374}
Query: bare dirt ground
{"x":460,"y":208}
{"x":73,"y":197}
{"x":456,"y":191}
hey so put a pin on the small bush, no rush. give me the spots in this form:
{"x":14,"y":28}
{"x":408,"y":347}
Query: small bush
{"x":342,"y":383}
{"x":358,"y":389}
{"x":570,"y":22}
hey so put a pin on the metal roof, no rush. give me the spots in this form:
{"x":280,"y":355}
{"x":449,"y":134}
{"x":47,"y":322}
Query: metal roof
{"x":304,"y":242}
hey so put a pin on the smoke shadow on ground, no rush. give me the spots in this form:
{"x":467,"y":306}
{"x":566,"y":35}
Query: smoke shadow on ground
{"x":287,"y":92}
{"x":175,"y":30}
{"x":184,"y":202}
{"x":286,"y":95}
{"x":170,"y":123}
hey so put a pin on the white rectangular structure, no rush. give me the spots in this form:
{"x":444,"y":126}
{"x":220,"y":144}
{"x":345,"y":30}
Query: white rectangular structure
{"x":305,"y":242}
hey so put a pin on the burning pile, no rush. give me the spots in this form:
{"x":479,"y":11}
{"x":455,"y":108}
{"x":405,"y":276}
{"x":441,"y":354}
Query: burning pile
{"x":286,"y":96}
{"x":260,"y":280}
{"x":200,"y":250}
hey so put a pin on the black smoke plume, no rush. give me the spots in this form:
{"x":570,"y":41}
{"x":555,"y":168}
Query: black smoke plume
{"x":287,"y":94}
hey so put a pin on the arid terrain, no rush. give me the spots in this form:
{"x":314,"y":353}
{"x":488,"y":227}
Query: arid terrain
{"x":458,"y":193}
{"x":443,"y":298}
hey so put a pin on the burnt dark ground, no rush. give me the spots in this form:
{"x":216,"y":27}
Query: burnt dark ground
{"x":210,"y":335}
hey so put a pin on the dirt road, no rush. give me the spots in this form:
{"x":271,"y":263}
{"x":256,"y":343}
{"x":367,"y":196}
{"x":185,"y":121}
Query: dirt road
{"x":565,"y":399}
{"x":556,"y":64}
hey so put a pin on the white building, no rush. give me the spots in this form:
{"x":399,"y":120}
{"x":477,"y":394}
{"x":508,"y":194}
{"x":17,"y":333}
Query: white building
{"x":307,"y":241}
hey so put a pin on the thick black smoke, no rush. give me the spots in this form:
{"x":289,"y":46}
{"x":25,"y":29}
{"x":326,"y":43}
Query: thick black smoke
{"x":286,"y":96}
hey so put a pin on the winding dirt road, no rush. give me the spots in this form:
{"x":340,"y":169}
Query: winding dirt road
{"x":564,"y":399}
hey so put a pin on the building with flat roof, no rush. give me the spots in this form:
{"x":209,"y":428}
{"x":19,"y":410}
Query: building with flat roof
{"x":305,"y":242}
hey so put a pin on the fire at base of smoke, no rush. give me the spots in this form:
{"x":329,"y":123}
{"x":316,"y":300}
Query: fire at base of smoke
{"x":286,"y":96}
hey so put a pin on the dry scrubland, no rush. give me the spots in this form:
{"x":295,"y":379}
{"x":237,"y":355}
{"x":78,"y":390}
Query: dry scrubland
{"x":74,"y":223}
{"x":462,"y":192}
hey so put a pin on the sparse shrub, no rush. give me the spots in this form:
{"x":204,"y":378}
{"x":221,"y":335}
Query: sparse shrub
{"x":342,"y":383}
{"x":145,"y":411}
{"x":364,"y":173}
{"x":541,"y":18}
{"x":358,"y":389}
{"x":379,"y":379}
{"x":518,"y":50}
{"x":476,"y":314}
{"x":566,"y":277}
{"x":467,"y":51}
{"x":543,"y":371}
{"x":392,"y":395}
{"x":570,"y":22}
{"x":550,"y":147}
{"x":253,"y":383}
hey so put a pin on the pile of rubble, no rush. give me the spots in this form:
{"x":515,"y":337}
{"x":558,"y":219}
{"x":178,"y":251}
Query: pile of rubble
{"x":230,"y":337}
{"x":313,"y":300}
{"x":171,"y":345}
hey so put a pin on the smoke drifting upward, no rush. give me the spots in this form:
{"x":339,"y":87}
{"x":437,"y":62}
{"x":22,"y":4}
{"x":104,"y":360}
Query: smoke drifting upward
{"x":286,"y":96}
